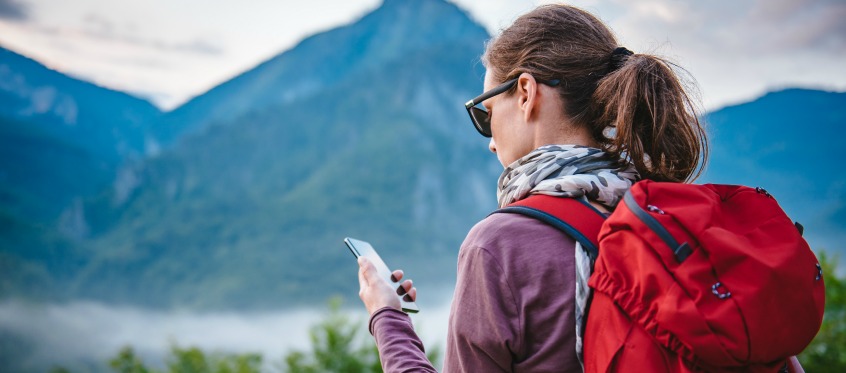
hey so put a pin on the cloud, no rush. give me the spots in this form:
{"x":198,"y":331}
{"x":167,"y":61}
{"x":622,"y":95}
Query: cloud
{"x":97,"y":29}
{"x":13,"y":10}
{"x":803,"y":23}
{"x":98,"y":23}
{"x":755,"y":27}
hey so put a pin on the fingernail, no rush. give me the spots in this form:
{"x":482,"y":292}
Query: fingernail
{"x":407,"y":298}
{"x":400,"y":290}
{"x":393,"y":278}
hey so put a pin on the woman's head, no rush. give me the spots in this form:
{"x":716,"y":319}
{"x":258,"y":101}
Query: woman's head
{"x":633,"y":106}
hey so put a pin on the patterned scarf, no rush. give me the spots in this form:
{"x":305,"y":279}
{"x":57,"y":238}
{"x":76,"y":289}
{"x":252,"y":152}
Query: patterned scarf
{"x":568,"y":171}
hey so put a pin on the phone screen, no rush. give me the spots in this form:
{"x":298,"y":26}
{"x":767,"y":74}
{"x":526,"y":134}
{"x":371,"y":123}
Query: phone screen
{"x":362,"y":248}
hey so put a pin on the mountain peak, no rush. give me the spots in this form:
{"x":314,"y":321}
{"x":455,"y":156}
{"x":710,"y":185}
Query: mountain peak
{"x":432,"y":20}
{"x":420,"y":9}
{"x":417,"y":4}
{"x":394,"y":31}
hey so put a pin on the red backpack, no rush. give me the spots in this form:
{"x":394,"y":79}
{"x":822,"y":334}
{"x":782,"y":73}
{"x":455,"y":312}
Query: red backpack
{"x":691,"y":278}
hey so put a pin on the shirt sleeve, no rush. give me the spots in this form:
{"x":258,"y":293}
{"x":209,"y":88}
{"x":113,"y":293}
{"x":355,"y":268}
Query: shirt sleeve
{"x":400,"y":349}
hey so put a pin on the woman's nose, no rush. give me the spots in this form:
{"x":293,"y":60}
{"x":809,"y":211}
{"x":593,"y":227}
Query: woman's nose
{"x":492,"y":145}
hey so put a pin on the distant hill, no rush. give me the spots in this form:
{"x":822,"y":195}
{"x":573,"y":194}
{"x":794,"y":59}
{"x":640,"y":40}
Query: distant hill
{"x":790,"y":143}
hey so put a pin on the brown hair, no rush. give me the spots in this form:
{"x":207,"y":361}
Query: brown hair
{"x":635,"y":107}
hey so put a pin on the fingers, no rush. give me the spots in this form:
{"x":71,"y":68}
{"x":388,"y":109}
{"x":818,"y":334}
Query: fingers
{"x":407,"y":288}
{"x":404,"y":287}
{"x":411,"y":296}
{"x":368,"y":277}
{"x":396,"y":276}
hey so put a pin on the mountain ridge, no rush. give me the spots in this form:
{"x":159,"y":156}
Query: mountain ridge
{"x":53,"y":128}
{"x":74,"y":109}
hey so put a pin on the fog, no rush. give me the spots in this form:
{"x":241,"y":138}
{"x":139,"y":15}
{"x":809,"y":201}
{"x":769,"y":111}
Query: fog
{"x":84,"y":335}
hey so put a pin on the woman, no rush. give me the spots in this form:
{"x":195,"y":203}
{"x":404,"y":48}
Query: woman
{"x":571,"y":114}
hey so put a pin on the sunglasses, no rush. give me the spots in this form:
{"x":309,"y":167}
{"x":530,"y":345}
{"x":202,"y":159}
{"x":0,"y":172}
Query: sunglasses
{"x":480,"y":117}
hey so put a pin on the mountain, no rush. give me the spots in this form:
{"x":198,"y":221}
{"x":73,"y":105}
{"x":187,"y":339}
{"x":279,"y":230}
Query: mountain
{"x":788,"y":142}
{"x":106,"y":123}
{"x":394,"y":31}
{"x":61,"y":139}
{"x":245,"y":210}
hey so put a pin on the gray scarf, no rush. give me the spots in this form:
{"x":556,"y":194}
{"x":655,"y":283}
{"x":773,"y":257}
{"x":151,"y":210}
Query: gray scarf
{"x":573,"y":171}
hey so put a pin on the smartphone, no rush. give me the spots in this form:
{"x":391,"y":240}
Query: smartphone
{"x":361,"y":248}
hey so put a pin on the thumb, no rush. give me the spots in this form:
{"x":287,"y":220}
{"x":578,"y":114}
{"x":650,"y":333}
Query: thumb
{"x":366,"y":271}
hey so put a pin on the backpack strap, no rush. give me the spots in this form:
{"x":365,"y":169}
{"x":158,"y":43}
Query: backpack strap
{"x":575,"y":217}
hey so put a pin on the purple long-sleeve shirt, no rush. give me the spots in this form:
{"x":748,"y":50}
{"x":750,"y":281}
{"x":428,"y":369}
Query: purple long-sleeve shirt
{"x":513,"y":310}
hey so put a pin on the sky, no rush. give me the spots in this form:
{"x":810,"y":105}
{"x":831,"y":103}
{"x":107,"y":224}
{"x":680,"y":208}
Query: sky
{"x":171,"y":50}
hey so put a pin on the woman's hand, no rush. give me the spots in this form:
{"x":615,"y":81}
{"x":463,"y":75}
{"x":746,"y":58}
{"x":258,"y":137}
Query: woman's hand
{"x":376,"y":293}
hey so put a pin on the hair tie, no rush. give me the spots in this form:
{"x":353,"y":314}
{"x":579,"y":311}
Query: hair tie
{"x":621,"y":51}
{"x":618,"y":57}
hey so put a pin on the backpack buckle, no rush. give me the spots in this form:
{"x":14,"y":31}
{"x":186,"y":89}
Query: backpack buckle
{"x":763,"y":191}
{"x":716,"y":290}
{"x":819,"y":272}
{"x":654,"y":208}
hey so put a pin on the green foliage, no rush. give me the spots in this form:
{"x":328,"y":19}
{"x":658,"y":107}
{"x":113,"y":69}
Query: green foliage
{"x":188,"y":360}
{"x":127,"y":362}
{"x":340,"y":345}
{"x":194,"y":360}
{"x":337,"y":346}
{"x":827,"y":353}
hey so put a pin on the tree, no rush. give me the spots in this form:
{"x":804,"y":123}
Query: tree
{"x":827,"y":353}
{"x":189,"y":360}
{"x":339,"y":345}
{"x":127,"y":362}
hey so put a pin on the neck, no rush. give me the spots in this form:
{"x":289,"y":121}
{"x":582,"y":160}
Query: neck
{"x":563,"y":134}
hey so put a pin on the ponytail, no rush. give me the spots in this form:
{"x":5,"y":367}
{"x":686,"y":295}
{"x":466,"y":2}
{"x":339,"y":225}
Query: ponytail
{"x":654,"y":120}
{"x":633,"y":105}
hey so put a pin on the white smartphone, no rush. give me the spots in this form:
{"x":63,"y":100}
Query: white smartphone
{"x":361,"y":248}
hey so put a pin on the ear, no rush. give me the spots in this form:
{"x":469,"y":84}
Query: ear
{"x":527,"y":95}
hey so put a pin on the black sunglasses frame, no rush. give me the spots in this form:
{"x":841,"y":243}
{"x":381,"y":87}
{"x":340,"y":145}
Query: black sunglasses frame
{"x":480,"y":117}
